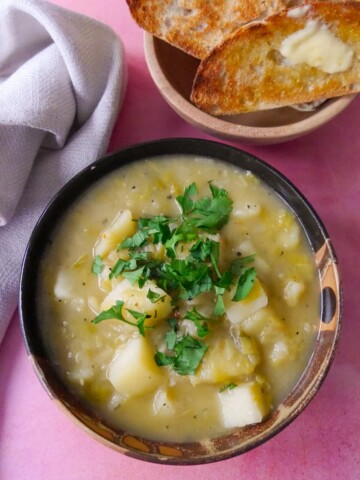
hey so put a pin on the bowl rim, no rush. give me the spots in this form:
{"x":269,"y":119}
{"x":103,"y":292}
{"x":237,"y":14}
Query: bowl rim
{"x":234,"y":131}
{"x":82,"y":182}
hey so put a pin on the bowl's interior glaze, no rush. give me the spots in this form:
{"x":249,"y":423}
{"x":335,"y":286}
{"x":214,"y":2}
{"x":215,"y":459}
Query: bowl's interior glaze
{"x":173,"y":71}
{"x":241,"y":439}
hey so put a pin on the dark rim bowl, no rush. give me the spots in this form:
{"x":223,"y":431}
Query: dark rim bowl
{"x":242,"y":439}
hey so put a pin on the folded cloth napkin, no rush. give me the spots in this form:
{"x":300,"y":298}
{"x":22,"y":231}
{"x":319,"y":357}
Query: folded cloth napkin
{"x":62,"y":79}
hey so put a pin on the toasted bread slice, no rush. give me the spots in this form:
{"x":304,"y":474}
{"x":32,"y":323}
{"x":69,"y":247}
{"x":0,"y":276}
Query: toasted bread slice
{"x":252,"y":70}
{"x":196,"y":26}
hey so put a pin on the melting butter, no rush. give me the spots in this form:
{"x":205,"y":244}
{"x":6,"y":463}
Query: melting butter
{"x":316,"y":46}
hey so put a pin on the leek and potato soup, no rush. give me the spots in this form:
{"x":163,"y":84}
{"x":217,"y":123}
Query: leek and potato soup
{"x":180,"y":298}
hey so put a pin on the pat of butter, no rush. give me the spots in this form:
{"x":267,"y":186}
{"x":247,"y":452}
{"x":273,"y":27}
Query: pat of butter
{"x":316,"y":46}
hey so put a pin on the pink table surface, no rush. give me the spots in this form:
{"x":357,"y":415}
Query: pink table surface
{"x":37,"y":441}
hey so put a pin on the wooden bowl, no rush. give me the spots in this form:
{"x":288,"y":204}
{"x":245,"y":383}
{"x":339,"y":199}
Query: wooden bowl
{"x":173,"y":72}
{"x":239,"y":440}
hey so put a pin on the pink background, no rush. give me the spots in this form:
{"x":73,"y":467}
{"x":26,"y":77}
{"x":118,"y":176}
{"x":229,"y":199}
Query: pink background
{"x":37,"y":441}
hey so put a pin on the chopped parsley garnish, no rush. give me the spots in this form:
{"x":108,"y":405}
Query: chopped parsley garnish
{"x":135,"y":276}
{"x":115,"y":312}
{"x":219,"y":308}
{"x":245,"y":284}
{"x":154,"y":297}
{"x":185,"y":357}
{"x":121,"y":265}
{"x":188,"y":277}
{"x":97,"y":265}
{"x":239,"y":263}
{"x":140,"y":320}
{"x":136,"y":240}
{"x":187,"y":265}
{"x":199,"y":321}
{"x":229,"y":386}
{"x":206,"y":213}
{"x":171,"y":335}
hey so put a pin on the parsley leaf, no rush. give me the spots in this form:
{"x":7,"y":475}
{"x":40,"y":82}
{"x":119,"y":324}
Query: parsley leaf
{"x":204,"y":249}
{"x":171,"y":335}
{"x":115,"y":313}
{"x":171,"y":243}
{"x":239,"y":263}
{"x":122,"y":265}
{"x":97,"y":265}
{"x":219,"y":308}
{"x":190,"y":277}
{"x":225,"y":281}
{"x":206,"y":213}
{"x":162,"y":359}
{"x":217,"y":192}
{"x":214,"y":256}
{"x":229,"y":386}
{"x":199,"y":320}
{"x":157,"y":227}
{"x":185,"y":202}
{"x":140,"y":317}
{"x":134,"y":275}
{"x":188,"y":353}
{"x":137,"y":240}
{"x":139,"y":255}
{"x":245,"y":284}
{"x":154,"y":297}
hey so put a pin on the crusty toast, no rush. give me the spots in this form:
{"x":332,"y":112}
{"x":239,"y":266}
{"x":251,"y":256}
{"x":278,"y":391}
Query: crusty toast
{"x":196,"y":26}
{"x":249,"y":71}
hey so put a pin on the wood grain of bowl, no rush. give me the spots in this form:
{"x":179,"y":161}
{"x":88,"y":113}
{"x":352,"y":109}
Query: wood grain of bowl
{"x":173,"y":72}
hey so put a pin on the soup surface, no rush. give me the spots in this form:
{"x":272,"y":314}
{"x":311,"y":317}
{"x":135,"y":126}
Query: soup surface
{"x":180,"y":298}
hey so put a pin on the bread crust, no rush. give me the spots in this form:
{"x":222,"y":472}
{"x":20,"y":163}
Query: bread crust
{"x":247,"y":71}
{"x":196,"y":26}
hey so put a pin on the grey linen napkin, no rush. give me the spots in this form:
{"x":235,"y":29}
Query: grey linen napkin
{"x":62,"y":79}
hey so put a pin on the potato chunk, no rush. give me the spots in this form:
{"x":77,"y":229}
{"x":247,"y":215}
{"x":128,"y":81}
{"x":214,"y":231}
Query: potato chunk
{"x":247,"y":209}
{"x":133,"y":371}
{"x":238,"y":311}
{"x":272,"y":335}
{"x":287,"y":231}
{"x":293,"y":291}
{"x":163,"y":404}
{"x":135,"y":298}
{"x":66,"y":286}
{"x":121,"y":227}
{"x":224,"y":363}
{"x":243,"y":405}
